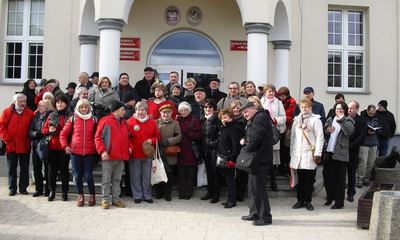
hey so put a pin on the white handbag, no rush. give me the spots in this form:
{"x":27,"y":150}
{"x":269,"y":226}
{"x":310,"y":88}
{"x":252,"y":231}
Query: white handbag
{"x":158,"y":173}
{"x":201,"y":175}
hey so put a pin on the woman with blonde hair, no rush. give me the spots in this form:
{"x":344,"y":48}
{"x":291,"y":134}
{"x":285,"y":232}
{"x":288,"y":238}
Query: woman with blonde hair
{"x":250,"y":89}
{"x":82,"y":128}
{"x":105,"y":94}
{"x":278,"y":116}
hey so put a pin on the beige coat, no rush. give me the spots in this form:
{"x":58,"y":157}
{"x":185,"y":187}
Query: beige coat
{"x":171,"y":132}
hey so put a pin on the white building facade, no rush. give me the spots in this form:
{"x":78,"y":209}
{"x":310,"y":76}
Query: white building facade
{"x":335,"y":46}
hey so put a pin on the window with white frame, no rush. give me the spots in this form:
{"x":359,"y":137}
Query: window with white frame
{"x":23,"y":40}
{"x":346,"y":50}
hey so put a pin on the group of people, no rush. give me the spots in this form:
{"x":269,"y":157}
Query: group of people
{"x":118,"y":125}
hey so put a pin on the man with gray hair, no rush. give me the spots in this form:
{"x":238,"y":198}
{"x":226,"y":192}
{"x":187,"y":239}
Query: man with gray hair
{"x":233,"y":96}
{"x":84,"y":82}
{"x":82,"y":93}
{"x":52,"y":86}
{"x":14,"y":125}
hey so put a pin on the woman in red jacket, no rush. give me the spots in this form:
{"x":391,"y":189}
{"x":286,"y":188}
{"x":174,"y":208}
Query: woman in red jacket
{"x":58,"y":159}
{"x":82,"y":127}
{"x":142,"y":128}
{"x":187,"y":163}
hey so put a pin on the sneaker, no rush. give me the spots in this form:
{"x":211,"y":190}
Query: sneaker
{"x":118,"y":204}
{"x":105,"y":205}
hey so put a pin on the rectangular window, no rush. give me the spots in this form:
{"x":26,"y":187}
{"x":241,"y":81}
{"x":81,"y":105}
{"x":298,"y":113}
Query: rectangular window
{"x":346,"y":50}
{"x":24,"y":40}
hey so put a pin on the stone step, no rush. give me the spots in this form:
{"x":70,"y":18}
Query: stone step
{"x":284,"y":190}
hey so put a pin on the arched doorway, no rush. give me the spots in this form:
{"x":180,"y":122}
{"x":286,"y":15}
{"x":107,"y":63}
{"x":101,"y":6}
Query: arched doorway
{"x":188,"y":53}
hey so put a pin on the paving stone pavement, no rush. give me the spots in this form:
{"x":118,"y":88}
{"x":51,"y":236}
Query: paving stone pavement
{"x":25,"y":217}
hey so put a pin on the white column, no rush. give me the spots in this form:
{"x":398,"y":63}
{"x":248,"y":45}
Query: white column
{"x":110,"y":34}
{"x":257,"y":52}
{"x":282,"y":63}
{"x":88,"y":53}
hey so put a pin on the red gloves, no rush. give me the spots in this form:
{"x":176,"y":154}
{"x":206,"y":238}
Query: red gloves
{"x":230,"y":164}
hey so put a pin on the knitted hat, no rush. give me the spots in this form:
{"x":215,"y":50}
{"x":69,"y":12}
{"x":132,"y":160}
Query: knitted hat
{"x":148,"y":150}
{"x":48,"y":94}
{"x":128,"y":96}
{"x":383,"y":103}
{"x":116,"y":105}
{"x":166,"y":108}
{"x":185,"y":105}
{"x":174,"y":86}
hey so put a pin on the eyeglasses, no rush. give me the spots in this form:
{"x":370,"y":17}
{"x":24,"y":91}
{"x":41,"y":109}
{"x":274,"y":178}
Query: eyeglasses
{"x":208,"y":106}
{"x":339,"y":109}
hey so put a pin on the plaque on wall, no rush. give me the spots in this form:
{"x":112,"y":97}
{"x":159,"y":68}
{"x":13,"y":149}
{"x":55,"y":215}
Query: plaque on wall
{"x":194,"y":16}
{"x":172,"y":15}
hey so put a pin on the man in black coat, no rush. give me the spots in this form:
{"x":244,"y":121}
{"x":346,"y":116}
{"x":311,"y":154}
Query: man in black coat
{"x":355,"y":141}
{"x":213,"y":91}
{"x":386,"y":120}
{"x":258,"y":139}
{"x":124,"y":87}
{"x":143,"y":86}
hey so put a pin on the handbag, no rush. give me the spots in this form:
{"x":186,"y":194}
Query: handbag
{"x":172,"y":150}
{"x":196,"y":148}
{"x":158,"y":173}
{"x":246,"y":161}
{"x":43,"y":150}
{"x":202,"y":175}
{"x":276,"y":134}
{"x":286,"y":141}
{"x":294,"y":180}
{"x":221,"y":161}
{"x":325,"y":155}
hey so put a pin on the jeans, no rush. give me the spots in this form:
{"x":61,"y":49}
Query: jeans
{"x":83,"y":165}
{"x":12,"y":164}
{"x":383,"y":147}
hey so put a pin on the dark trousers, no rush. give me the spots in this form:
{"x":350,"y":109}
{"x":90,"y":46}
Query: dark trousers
{"x":383,"y":147}
{"x":284,"y":153}
{"x":187,"y":176}
{"x":83,"y":165}
{"x":58,"y":161}
{"x":166,"y":188}
{"x":209,"y":171}
{"x":335,"y":171}
{"x":351,"y":178}
{"x":258,"y":197}
{"x":231,"y":184}
{"x":38,"y":174}
{"x":218,"y":179}
{"x":13,"y":159}
{"x":128,"y":188}
{"x":305,"y":186}
{"x":242,"y":178}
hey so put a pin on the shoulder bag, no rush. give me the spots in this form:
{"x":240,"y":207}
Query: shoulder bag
{"x":172,"y":150}
{"x":246,"y":161}
{"x":195,"y":145}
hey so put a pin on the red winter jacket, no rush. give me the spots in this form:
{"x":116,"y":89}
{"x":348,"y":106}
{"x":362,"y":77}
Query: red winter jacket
{"x":140,"y":132}
{"x":112,"y":137}
{"x":54,"y":143}
{"x":82,"y":140}
{"x":154,"y":111}
{"x":289,"y":105}
{"x":16,"y":134}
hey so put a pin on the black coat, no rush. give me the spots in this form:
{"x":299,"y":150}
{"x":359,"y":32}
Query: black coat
{"x":209,"y":130}
{"x":129,"y":88}
{"x":176,"y":100}
{"x":258,"y":138}
{"x":388,"y":124}
{"x":143,"y":89}
{"x":357,"y":139}
{"x":217,"y":95}
{"x":229,"y":143}
{"x":35,"y":129}
{"x":30,"y":98}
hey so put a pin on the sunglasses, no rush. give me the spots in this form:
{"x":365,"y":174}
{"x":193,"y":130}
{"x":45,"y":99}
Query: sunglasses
{"x":208,"y":106}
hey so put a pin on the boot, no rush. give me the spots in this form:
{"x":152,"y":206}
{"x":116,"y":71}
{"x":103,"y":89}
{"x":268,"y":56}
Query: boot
{"x":64,"y":196}
{"x":81,"y":200}
{"x":92,"y":200}
{"x":209,"y":195}
{"x":52,"y":195}
{"x":215,"y":199}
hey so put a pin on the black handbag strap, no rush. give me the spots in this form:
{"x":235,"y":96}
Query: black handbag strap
{"x":190,"y":127}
